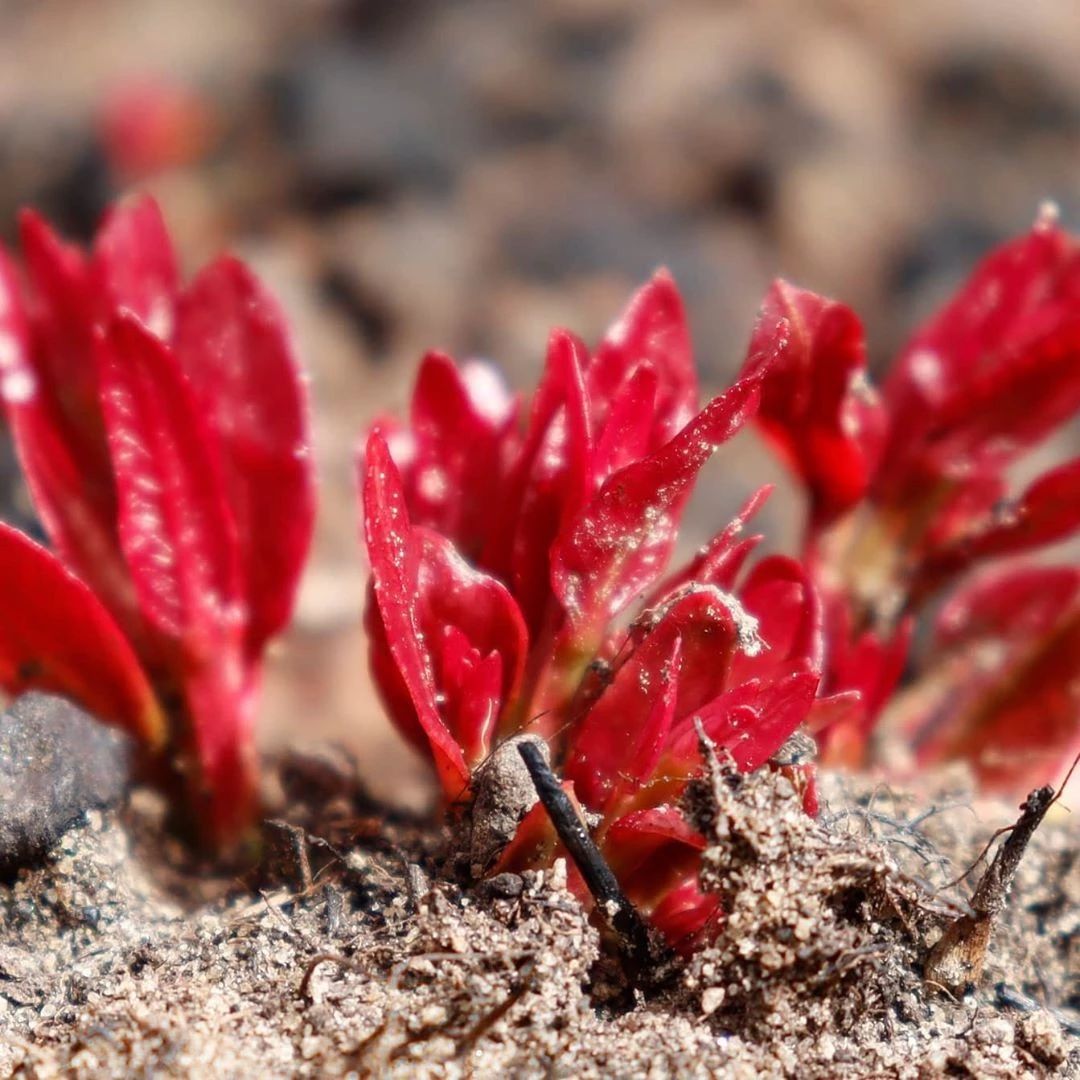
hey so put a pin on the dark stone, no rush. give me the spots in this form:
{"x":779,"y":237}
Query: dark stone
{"x":56,"y":762}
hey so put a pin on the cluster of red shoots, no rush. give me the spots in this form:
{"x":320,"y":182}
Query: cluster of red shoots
{"x":519,"y":549}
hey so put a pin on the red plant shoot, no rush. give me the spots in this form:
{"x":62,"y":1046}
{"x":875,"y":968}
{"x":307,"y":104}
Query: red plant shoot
{"x":163,"y":434}
{"x":910,"y":495}
{"x":508,"y":540}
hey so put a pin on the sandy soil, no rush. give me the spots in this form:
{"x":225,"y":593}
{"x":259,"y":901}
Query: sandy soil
{"x":352,"y":954}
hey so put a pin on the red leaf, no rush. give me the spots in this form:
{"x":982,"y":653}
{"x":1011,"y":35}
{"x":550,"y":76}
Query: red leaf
{"x":817,"y":406}
{"x":618,"y":742}
{"x":1017,"y":291}
{"x":751,"y":721}
{"x":780,"y":596}
{"x":394,"y":571}
{"x":1048,"y":511}
{"x":1023,"y":603}
{"x":57,"y":636}
{"x":686,"y":916}
{"x":233,"y":344}
{"x":716,"y":632}
{"x":629,"y":425}
{"x":656,"y":856}
{"x":485,"y":656}
{"x":175,"y":527}
{"x":62,"y":313}
{"x":1010,"y":318}
{"x":651,"y":331}
{"x":69,"y":477}
{"x":620,"y":542}
{"x":549,"y":482}
{"x":180,"y":545}
{"x":134,"y":267}
{"x":1002,"y":693}
{"x":461,"y":431}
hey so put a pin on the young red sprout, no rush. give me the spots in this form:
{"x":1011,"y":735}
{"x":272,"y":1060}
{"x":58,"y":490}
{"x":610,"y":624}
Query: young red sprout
{"x":164,"y":438}
{"x":909,"y":490}
{"x":506,"y":546}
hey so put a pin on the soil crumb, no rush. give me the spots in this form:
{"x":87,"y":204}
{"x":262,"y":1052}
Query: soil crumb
{"x":361,"y":958}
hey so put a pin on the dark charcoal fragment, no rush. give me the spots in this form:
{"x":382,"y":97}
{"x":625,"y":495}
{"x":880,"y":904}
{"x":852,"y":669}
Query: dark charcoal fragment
{"x":56,"y":762}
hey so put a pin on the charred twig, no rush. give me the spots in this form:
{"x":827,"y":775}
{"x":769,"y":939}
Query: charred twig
{"x":956,"y":961}
{"x":642,"y":959}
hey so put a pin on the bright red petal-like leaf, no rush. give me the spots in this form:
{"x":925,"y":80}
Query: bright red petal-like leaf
{"x":1002,"y":692}
{"x":1016,"y":290}
{"x":620,"y":542}
{"x":1008,"y":319}
{"x":175,"y":526}
{"x":1024,"y":603}
{"x":394,"y":568}
{"x":233,"y":343}
{"x":179,"y":542}
{"x":549,"y":482}
{"x":651,"y":331}
{"x":686,"y":916}
{"x":751,"y":721}
{"x":449,"y":593}
{"x":716,"y":630}
{"x":1048,"y":511}
{"x":817,"y":406}
{"x":69,"y":477}
{"x":462,"y":427}
{"x":629,"y":425}
{"x":1011,"y":408}
{"x":655,"y":854}
{"x":470,"y":685}
{"x":57,"y":636}
{"x":134,"y":268}
{"x":62,"y":312}
{"x":617,"y":743}
{"x":778,"y":593}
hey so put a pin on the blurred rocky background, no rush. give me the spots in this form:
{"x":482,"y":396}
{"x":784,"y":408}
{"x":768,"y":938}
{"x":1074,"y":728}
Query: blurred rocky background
{"x":468,"y":173}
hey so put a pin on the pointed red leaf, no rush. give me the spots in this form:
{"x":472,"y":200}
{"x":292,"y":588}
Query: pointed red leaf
{"x":617,"y":743}
{"x":651,"y":331}
{"x":134,"y":267}
{"x":461,"y":432}
{"x":1015,"y":315}
{"x":817,"y":405}
{"x":1024,"y":603}
{"x":485,"y":656}
{"x":175,"y":526}
{"x":751,"y":721}
{"x":620,"y":542}
{"x":62,"y":311}
{"x":629,"y":425}
{"x":1002,"y":693}
{"x":394,"y":562}
{"x":70,"y":479}
{"x":779,"y":594}
{"x":233,"y":344}
{"x":549,"y":482}
{"x":1017,"y":291}
{"x":1048,"y":511}
{"x":55,"y":635}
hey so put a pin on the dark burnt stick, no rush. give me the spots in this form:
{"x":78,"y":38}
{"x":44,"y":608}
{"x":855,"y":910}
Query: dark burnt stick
{"x":643,"y":960}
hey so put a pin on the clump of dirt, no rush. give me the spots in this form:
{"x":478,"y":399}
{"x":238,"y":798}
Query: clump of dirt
{"x":358,"y":955}
{"x":819,"y":928}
